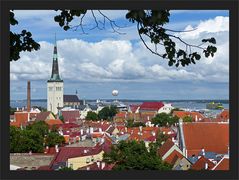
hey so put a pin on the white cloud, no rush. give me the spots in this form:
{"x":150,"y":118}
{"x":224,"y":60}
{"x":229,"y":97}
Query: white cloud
{"x":218,"y":24}
{"x":120,"y":60}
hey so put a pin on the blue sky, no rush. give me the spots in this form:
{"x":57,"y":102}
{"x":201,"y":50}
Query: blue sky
{"x":101,"y":61}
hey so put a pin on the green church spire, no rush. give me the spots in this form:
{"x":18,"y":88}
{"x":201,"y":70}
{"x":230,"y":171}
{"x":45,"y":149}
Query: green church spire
{"x":55,"y":77}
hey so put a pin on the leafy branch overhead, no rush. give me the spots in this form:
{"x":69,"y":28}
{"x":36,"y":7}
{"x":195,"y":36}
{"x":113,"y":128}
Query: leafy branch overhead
{"x":20,"y":42}
{"x":159,"y":40}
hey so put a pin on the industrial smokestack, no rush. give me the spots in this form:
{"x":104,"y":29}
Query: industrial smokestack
{"x":28,"y":96}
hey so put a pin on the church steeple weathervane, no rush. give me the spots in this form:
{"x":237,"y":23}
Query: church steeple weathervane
{"x":55,"y":77}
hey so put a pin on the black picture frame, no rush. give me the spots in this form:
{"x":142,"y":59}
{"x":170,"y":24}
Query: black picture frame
{"x":231,"y":5}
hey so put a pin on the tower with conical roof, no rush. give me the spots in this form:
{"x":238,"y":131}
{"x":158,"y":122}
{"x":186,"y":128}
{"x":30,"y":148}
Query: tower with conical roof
{"x":55,"y":86}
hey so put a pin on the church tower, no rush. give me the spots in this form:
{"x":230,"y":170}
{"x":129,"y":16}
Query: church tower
{"x":54,"y":86}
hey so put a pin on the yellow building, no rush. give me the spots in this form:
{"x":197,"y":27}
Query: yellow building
{"x":79,"y":162}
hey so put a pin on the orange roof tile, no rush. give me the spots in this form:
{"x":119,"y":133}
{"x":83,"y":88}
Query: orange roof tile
{"x":165,"y":147}
{"x":173,"y":157}
{"x":195,"y":115}
{"x":213,"y":137}
{"x":51,"y":122}
{"x":121,"y":114}
{"x":21,"y":117}
{"x":201,"y":162}
{"x":224,"y":115}
{"x":222,"y":165}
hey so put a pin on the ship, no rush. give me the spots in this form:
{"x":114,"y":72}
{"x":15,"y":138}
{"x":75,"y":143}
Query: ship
{"x":213,"y":105}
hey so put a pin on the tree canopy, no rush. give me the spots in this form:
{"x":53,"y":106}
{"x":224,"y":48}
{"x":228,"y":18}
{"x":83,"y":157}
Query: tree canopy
{"x":187,"y":119}
{"x":134,"y":155}
{"x":91,"y":116}
{"x":150,"y":26}
{"x":131,"y":123}
{"x":163,"y":119}
{"x":33,"y":138}
{"x":107,"y":113}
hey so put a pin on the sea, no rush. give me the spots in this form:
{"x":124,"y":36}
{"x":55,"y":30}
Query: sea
{"x":193,"y":105}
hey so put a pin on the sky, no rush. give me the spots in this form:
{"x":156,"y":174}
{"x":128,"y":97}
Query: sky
{"x":97,"y":62}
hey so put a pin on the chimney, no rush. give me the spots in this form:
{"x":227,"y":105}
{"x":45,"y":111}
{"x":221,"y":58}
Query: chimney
{"x":102,"y":165}
{"x":203,"y":152}
{"x":126,"y":130}
{"x":206,"y":165}
{"x":140,"y":128}
{"x":196,"y":118}
{"x":28,"y":96}
{"x":56,"y":148}
{"x":88,"y":168}
{"x":98,"y":164}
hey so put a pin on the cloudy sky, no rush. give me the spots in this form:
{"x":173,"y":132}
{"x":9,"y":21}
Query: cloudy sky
{"x":97,"y":62}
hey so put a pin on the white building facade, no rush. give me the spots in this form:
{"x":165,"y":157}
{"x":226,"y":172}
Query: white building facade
{"x":55,"y":87}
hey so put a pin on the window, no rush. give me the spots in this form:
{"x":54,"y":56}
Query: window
{"x":87,"y":160}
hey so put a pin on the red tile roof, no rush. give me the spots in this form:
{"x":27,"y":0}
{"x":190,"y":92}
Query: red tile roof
{"x":195,"y":115}
{"x":223,"y":164}
{"x":70,"y":152}
{"x":52,"y":122}
{"x":50,"y":150}
{"x":201,"y":162}
{"x":152,"y":106}
{"x":67,"y":126}
{"x":165,"y":147}
{"x":21,"y":117}
{"x":44,"y":168}
{"x":121,"y":114}
{"x":94,"y":166}
{"x":134,"y":107}
{"x":97,"y":135}
{"x":224,"y":115}
{"x":70,"y":116}
{"x":42,"y":116}
{"x":213,"y":137}
{"x":173,"y":157}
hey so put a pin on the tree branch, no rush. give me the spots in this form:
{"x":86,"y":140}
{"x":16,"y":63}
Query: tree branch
{"x":146,"y":44}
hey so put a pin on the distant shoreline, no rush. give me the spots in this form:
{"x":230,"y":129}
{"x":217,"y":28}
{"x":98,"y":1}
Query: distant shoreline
{"x":139,"y":100}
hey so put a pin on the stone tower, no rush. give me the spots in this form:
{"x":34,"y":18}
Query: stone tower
{"x":55,"y":86}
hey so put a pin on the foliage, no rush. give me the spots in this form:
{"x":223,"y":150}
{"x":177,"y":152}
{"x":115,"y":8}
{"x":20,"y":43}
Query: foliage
{"x":53,"y":138}
{"x":66,"y":169}
{"x":107,"y":113}
{"x":41,"y":127}
{"x":14,"y":138}
{"x":175,"y":109}
{"x":12,"y":110}
{"x":20,"y":42}
{"x":33,"y":138}
{"x":91,"y":116}
{"x":25,"y":140}
{"x":134,"y":155}
{"x":150,"y":24}
{"x":131,"y":123}
{"x":187,"y":119}
{"x":163,"y":119}
{"x":159,"y":140}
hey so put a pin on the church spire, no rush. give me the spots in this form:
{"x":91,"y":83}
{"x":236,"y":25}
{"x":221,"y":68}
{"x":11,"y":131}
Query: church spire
{"x":55,"y":77}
